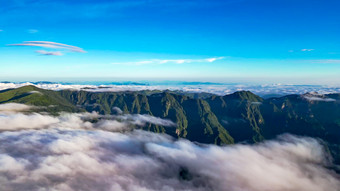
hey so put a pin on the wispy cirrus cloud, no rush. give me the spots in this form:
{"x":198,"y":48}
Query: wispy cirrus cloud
{"x":50,"y":45}
{"x":49,"y":53}
{"x":170,"y":61}
{"x":307,"y":50}
{"x":32,"y":31}
{"x":327,"y":61}
{"x":302,"y":50}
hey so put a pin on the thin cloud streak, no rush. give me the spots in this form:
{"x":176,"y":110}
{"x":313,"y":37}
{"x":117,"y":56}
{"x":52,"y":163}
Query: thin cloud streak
{"x":319,"y":99}
{"x":60,"y":45}
{"x":51,"y":45}
{"x":48,"y":53}
{"x":307,"y":50}
{"x":171,"y":61}
{"x":327,"y":61}
{"x":32,"y":31}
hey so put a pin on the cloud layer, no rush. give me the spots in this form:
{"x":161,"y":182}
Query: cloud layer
{"x":70,"y":153}
{"x":219,"y":89}
{"x":15,"y":116}
{"x":69,"y":160}
{"x":14,"y":107}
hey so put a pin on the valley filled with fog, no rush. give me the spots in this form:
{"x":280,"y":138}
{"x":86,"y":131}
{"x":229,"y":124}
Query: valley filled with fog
{"x":87,"y":151}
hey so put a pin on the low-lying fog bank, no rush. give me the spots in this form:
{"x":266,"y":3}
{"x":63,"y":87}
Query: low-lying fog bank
{"x":69,"y":153}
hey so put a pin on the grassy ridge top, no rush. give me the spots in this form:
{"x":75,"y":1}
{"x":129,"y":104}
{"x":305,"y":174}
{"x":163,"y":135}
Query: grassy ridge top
{"x":32,"y":95}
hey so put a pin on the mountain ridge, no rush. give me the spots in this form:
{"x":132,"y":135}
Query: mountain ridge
{"x":238,"y":117}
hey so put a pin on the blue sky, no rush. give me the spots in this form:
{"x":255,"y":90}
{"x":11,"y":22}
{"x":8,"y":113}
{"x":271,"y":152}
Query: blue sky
{"x":265,"y":41}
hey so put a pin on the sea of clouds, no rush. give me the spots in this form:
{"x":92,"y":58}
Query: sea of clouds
{"x":72,"y":152}
{"x":194,"y":87}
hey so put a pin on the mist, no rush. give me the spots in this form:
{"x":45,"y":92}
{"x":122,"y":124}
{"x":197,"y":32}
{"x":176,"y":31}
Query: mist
{"x":69,"y":152}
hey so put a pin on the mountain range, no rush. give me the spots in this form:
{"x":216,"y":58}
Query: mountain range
{"x":241,"y":117}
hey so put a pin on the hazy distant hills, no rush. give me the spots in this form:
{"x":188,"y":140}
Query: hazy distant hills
{"x":205,"y":118}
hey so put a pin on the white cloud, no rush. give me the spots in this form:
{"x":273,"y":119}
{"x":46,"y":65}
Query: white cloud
{"x":256,"y":103}
{"x":142,"y":120}
{"x":117,"y":110}
{"x":21,"y":121}
{"x":307,"y":50}
{"x":70,"y":160}
{"x":49,"y":53}
{"x":171,"y":61}
{"x":112,"y":125}
{"x":326,"y":61}
{"x":32,"y":31}
{"x":314,"y":98}
{"x":14,"y":107}
{"x":35,"y":92}
{"x":12,"y":118}
{"x":69,"y":153}
{"x":50,"y":45}
{"x":213,"y":59}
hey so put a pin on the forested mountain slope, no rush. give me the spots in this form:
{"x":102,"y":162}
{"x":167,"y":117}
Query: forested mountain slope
{"x":238,"y":117}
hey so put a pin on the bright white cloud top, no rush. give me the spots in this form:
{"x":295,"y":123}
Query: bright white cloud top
{"x":69,"y":153}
